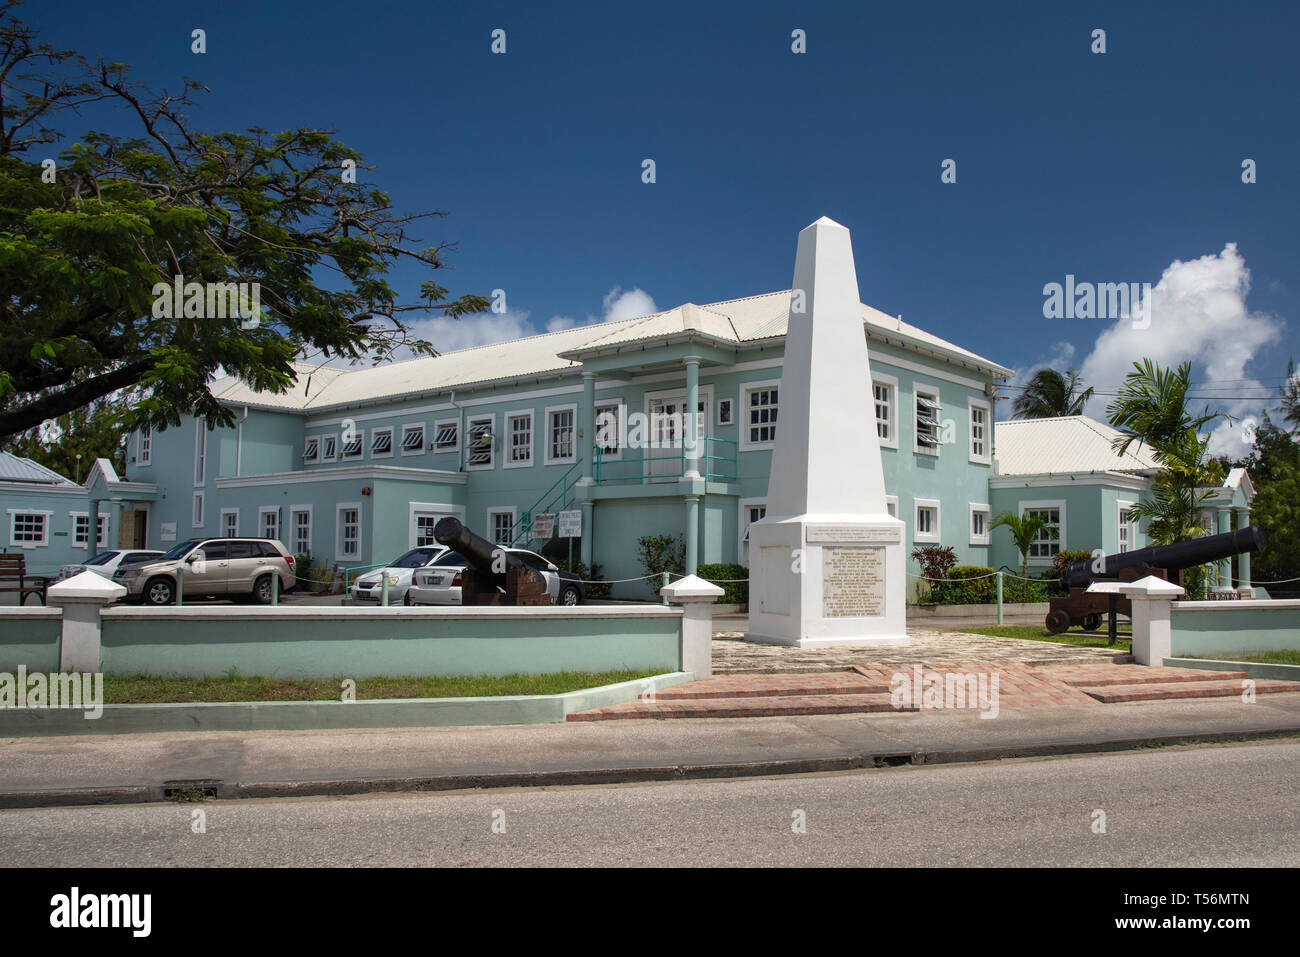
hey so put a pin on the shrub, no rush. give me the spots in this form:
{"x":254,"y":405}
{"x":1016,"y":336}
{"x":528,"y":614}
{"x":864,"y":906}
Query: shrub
{"x":1063,"y":560}
{"x":935,"y":561}
{"x":661,"y":553}
{"x":592,"y":584}
{"x":733,"y":592}
{"x":968,"y":585}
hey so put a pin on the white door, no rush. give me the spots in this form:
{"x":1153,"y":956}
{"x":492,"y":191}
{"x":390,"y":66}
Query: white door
{"x":666,"y":433}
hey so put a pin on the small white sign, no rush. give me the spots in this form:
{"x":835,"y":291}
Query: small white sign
{"x":544,"y":525}
{"x":168,"y":533}
{"x":570,"y":523}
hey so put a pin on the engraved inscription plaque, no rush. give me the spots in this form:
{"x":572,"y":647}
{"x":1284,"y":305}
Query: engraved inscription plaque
{"x":853,"y":582}
{"x":846,"y":534}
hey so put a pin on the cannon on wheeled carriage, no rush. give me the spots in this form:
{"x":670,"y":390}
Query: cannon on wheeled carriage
{"x":494,"y":576}
{"x":1082,"y":607}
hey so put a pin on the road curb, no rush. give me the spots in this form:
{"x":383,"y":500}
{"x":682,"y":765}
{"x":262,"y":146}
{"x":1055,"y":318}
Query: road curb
{"x":145,"y":793}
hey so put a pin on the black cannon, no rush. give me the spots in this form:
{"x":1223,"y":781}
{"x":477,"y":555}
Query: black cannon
{"x":1083,"y":607}
{"x":494,"y":576}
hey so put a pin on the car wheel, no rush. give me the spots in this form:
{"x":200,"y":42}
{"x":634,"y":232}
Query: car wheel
{"x":406,"y":599}
{"x":262,"y":590}
{"x":159,"y":591}
{"x":569,"y":595}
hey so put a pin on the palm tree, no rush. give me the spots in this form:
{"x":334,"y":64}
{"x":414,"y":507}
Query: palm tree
{"x":1050,"y":394}
{"x":1025,"y":530}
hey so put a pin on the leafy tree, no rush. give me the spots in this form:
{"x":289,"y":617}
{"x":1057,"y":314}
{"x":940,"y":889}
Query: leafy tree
{"x":1151,"y":408}
{"x":1277,"y":510}
{"x":1024,"y":530}
{"x":85,"y":245}
{"x":1050,"y":394}
{"x":661,"y":553}
{"x":1290,"y":394}
{"x":70,"y":444}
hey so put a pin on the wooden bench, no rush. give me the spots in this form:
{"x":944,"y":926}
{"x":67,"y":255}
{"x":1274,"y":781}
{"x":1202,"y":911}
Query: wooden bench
{"x":13,"y":568}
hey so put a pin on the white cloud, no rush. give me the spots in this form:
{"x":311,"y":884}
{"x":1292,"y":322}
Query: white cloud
{"x":1198,"y":313}
{"x":628,"y":304}
{"x":448,"y":335}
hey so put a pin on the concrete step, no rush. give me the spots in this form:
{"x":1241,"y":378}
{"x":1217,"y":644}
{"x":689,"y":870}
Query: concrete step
{"x":762,"y":686}
{"x":1167,"y":690}
{"x":1151,"y":676}
{"x":754,"y":707}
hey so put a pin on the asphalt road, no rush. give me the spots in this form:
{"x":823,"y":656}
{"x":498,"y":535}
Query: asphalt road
{"x":1227,"y":806}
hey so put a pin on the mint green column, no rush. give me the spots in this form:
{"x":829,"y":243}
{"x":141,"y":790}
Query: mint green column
{"x":1225,"y":565}
{"x":691,"y":438}
{"x":588,"y":539}
{"x":692,"y":533}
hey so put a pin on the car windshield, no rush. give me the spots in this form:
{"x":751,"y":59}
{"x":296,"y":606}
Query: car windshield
{"x":179,"y":549}
{"x":103,"y":558}
{"x":415,"y":558}
{"x":452,"y":558}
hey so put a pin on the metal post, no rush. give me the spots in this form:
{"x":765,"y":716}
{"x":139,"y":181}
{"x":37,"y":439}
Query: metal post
{"x":383,"y":589}
{"x":999,"y":574}
{"x":275,"y":588}
{"x":664,"y":585}
{"x":180,"y":584}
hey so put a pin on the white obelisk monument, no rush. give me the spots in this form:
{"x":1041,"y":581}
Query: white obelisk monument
{"x":826,"y":563}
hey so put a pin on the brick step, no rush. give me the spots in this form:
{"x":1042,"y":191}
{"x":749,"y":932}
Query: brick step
{"x":1184,"y":689}
{"x":1151,"y":676}
{"x":777,"y":685}
{"x":753,"y":707}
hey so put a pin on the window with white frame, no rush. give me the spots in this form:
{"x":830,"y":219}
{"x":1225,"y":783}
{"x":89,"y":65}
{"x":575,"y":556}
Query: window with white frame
{"x":750,"y":512}
{"x":726,"y":411}
{"x":609,"y":429}
{"x":300,"y":519}
{"x":561,"y":445}
{"x":884,"y":394}
{"x":381,"y":443}
{"x":348,"y":542}
{"x":424,"y":525}
{"x":446,"y":435}
{"x":980,"y":417}
{"x":268,"y":520}
{"x":1127,"y":527}
{"x":311,"y":449}
{"x":230,"y":522}
{"x":101,"y":536}
{"x":29,"y":529}
{"x":144,"y":446}
{"x":480,"y":442}
{"x":80,"y":529}
{"x":413,"y":439}
{"x":979,"y":524}
{"x":200,"y":451}
{"x":352,"y":449}
{"x":927,"y":520}
{"x":519,"y":432}
{"x":328,"y":448}
{"x":761,"y":406}
{"x":500,"y":523}
{"x":196,"y":510}
{"x":1047,"y":544}
{"x":928,"y":428}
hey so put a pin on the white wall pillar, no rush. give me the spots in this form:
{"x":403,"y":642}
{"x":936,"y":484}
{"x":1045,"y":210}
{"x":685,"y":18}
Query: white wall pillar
{"x":1243,"y":560}
{"x":81,"y":597}
{"x":690,"y":422}
{"x":1152,"y":625}
{"x":697,"y":597}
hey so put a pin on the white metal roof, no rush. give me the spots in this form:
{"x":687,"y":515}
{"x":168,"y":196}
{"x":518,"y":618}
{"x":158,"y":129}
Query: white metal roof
{"x":1070,"y":443}
{"x":14,"y":468}
{"x":741,"y":321}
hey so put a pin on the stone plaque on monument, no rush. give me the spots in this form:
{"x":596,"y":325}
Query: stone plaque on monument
{"x":852,"y":534}
{"x":853,"y":582}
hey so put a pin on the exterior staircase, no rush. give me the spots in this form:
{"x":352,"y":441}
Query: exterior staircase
{"x":557,"y":498}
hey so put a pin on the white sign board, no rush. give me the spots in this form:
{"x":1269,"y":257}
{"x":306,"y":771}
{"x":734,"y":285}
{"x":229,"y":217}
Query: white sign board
{"x":570,"y":523}
{"x":544,"y":525}
{"x":168,"y":533}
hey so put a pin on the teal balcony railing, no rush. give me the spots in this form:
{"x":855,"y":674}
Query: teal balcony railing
{"x":716,"y":462}
{"x":557,"y":498}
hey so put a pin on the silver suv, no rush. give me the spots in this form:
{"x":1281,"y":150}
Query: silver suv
{"x":211,"y":566}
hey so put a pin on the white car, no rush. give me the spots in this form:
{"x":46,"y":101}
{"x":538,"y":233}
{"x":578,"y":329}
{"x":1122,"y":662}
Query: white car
{"x":369,"y":587}
{"x":107,"y":562}
{"x":439,"y":583}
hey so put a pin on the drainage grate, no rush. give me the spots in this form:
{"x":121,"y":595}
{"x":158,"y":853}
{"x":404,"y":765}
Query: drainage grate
{"x":200,"y":790}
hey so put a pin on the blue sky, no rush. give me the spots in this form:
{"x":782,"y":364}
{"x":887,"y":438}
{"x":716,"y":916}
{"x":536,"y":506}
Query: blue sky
{"x":1110,"y":167}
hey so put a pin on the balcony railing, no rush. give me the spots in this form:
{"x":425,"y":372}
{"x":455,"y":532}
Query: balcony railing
{"x":716,"y":463}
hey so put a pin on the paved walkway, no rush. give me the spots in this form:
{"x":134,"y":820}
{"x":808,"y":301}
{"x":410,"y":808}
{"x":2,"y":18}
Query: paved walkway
{"x":983,"y":686}
{"x":733,"y":655}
